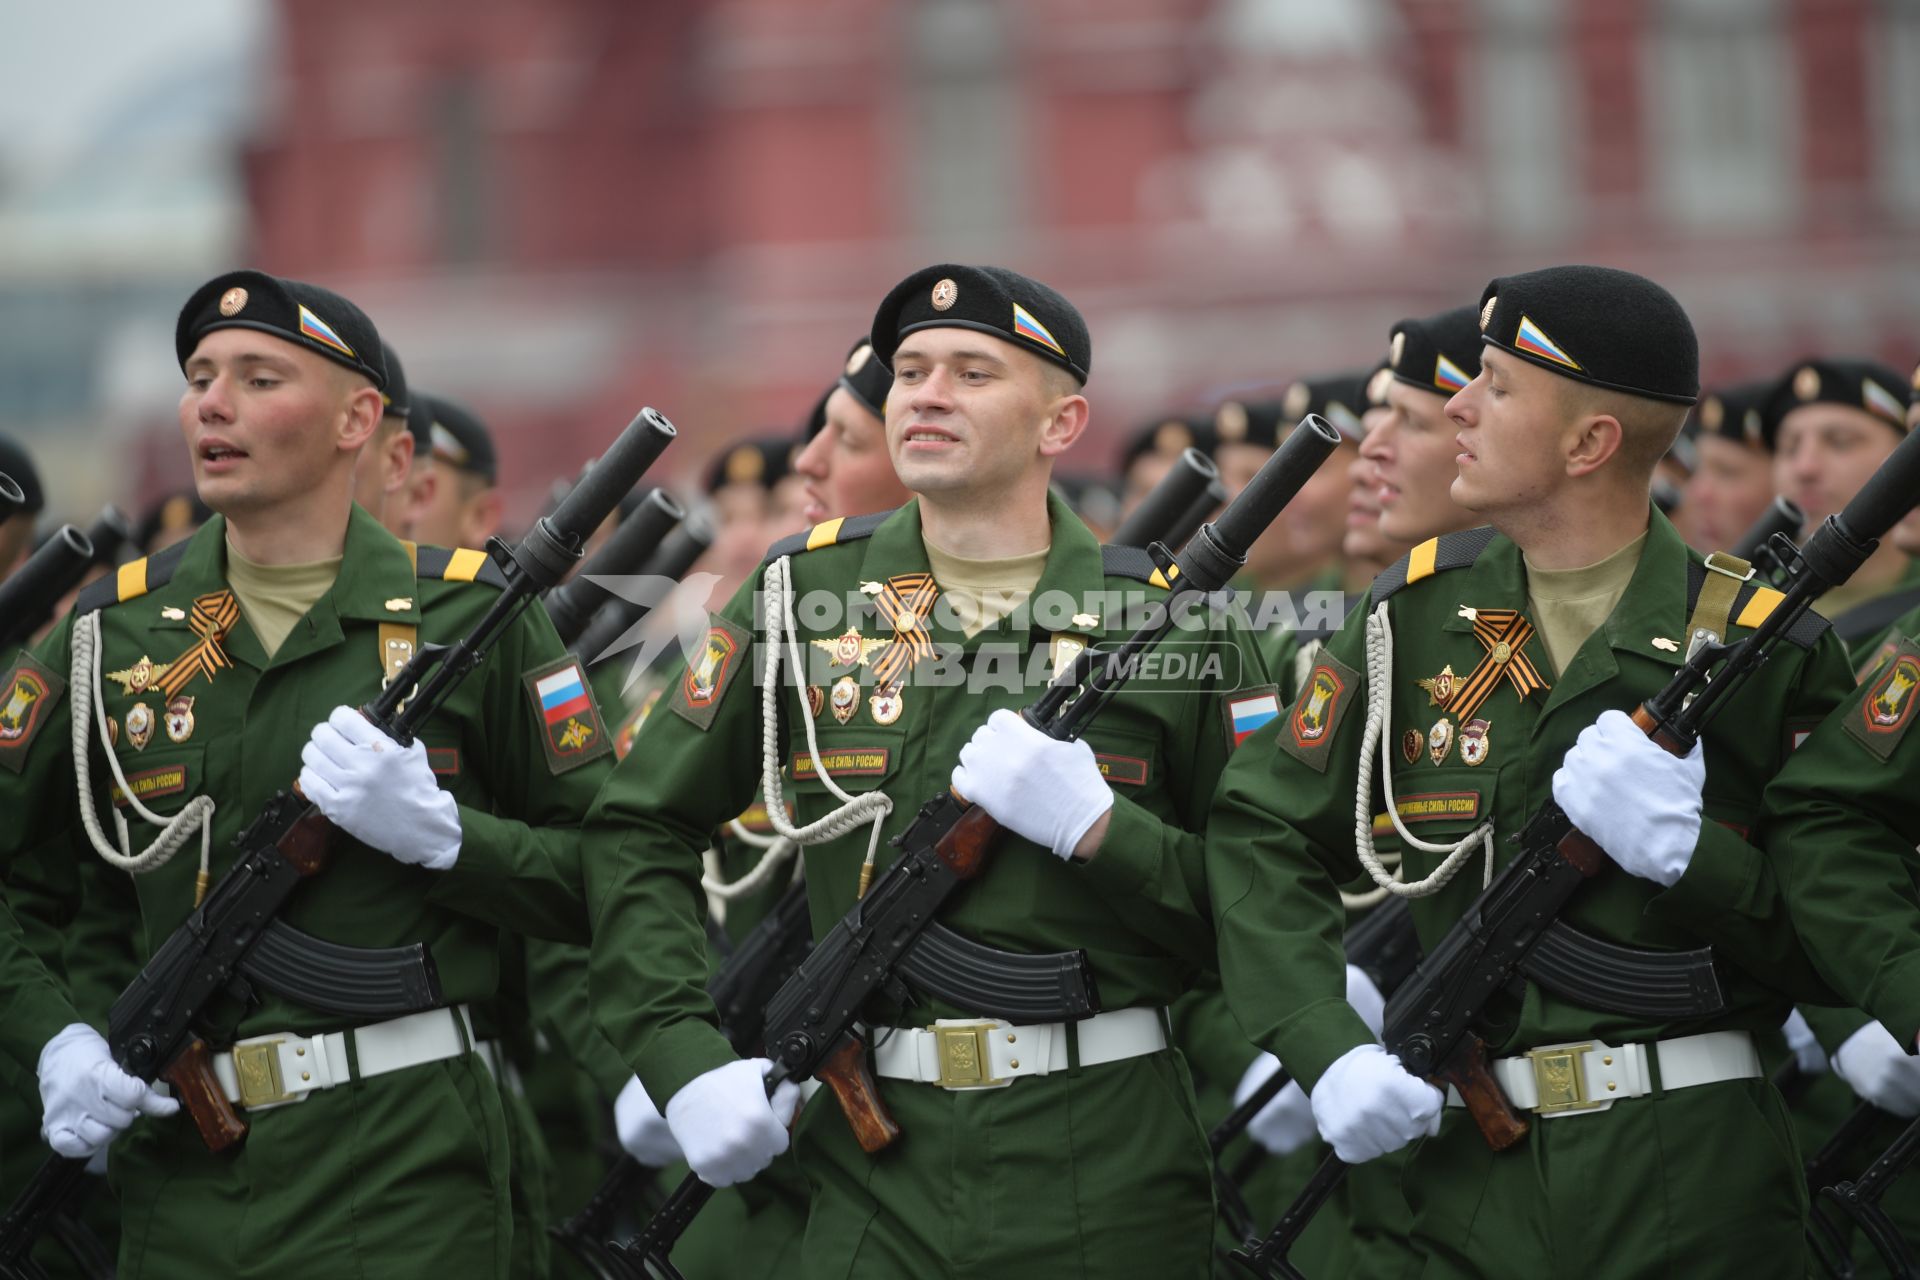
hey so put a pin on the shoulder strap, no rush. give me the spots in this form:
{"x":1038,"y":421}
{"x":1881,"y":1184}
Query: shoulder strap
{"x":828,"y":533}
{"x":132,"y":580}
{"x":1132,"y":562}
{"x":458,"y":564}
{"x":1435,"y":555}
{"x":1864,"y":621}
{"x":1752,"y":605}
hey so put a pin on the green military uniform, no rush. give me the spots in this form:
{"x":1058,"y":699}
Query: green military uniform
{"x":1847,"y":796}
{"x":1102,"y":1169}
{"x":398,"y":1175}
{"x":1698,"y":1182}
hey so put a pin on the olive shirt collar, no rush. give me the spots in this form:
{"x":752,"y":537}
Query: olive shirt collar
{"x":1074,"y":563}
{"x":1654,"y":605}
{"x":375,"y":568}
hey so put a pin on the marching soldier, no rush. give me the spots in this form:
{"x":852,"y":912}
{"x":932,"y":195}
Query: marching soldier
{"x":1151,"y":453}
{"x":844,"y":463}
{"x":375,"y":1150}
{"x":380,"y":477}
{"x":461,"y":507}
{"x":1069,"y":1147}
{"x":1732,"y":482}
{"x":1658,"y":1149}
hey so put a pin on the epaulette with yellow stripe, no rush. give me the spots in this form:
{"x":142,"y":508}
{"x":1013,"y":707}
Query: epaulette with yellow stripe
{"x":1135,"y":563}
{"x":132,"y":580}
{"x":1753,"y":604}
{"x":1435,"y":555}
{"x":828,"y":533}
{"x":458,"y":564}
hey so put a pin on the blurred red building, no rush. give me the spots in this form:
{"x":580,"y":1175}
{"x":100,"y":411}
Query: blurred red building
{"x":562,"y":209}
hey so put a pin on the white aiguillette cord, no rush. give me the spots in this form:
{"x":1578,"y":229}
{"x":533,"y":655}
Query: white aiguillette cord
{"x":1379,"y":713}
{"x":873,"y":806}
{"x":90,"y":713}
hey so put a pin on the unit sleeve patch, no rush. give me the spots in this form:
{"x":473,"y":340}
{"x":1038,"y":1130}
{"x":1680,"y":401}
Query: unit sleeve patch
{"x":1326,"y":696}
{"x":26,"y":704}
{"x":722,"y":656}
{"x":1886,"y":713}
{"x":571,"y":730}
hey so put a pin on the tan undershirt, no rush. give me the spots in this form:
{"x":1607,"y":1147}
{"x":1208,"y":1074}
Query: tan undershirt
{"x":275,"y":596}
{"x":1568,"y":605}
{"x":982,"y":592}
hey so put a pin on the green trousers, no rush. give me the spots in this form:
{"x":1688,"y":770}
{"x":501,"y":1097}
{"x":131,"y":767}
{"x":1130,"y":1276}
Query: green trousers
{"x":1694,"y":1184}
{"x":1079,"y":1175}
{"x":399,"y":1177}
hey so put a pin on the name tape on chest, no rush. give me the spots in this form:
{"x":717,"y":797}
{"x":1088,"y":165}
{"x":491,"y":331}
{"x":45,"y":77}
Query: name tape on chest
{"x":571,"y":730}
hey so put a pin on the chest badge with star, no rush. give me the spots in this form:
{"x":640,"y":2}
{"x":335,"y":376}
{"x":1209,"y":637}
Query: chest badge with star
{"x":850,"y":648}
{"x":140,"y":677}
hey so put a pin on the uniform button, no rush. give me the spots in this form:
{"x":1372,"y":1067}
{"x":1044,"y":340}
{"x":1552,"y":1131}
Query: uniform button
{"x":300,"y":1052}
{"x":1015,"y":1064}
{"x":305,"y":1076}
{"x":1607,"y":1061}
{"x":1611,"y":1086}
{"x":1011,"y":1037}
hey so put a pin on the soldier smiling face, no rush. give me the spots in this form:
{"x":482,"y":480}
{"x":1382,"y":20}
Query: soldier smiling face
{"x":267,"y":422}
{"x":974,"y":416}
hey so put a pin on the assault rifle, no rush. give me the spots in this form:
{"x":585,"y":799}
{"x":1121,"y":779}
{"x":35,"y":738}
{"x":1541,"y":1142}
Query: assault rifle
{"x":574,"y":602}
{"x":1175,"y":507}
{"x":1782,"y":519}
{"x":617,"y":615}
{"x":814,"y":1022}
{"x":28,"y":596}
{"x":154,"y":1027}
{"x":1433,"y":1021}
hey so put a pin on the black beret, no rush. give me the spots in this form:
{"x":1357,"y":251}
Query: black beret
{"x":817,"y":416}
{"x":1439,"y":353}
{"x":176,"y":511}
{"x":458,"y":438}
{"x":18,"y":466}
{"x":305,"y":314}
{"x":1250,"y":421}
{"x":1596,"y":325}
{"x":1866,"y":385}
{"x":1168,"y":437}
{"x":992,"y":300}
{"x":763,"y":461}
{"x":866,"y":378}
{"x":1340,"y":398}
{"x":1733,"y":413}
{"x":394,"y":393}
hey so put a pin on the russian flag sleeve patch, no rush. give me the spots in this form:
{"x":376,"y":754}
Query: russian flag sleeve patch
{"x":1247,"y":711}
{"x":571,"y":730}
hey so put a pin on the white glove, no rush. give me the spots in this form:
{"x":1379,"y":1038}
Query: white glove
{"x":89,"y":1101}
{"x":1367,"y":1104}
{"x":1633,"y":799}
{"x":1046,"y":790}
{"x":1806,"y":1049}
{"x":727,"y":1126}
{"x":1285,"y":1124}
{"x":380,"y":793}
{"x":644,"y":1132}
{"x":1876,"y":1067}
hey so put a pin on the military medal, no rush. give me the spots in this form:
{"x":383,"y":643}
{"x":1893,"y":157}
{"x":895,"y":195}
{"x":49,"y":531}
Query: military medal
{"x":1439,"y":688}
{"x":139,"y":725}
{"x":846,"y":698}
{"x":885,"y":706}
{"x":1410,"y":743}
{"x":180,"y":718}
{"x":816,"y":700}
{"x":113,"y":732}
{"x":1440,"y":740}
{"x":1473,"y":741}
{"x":139,"y":677}
{"x":849,"y":648}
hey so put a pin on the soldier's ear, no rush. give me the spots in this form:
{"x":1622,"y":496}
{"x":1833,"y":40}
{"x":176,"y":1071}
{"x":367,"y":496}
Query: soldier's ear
{"x":1593,"y":441}
{"x":1066,"y":423}
{"x":360,"y":419}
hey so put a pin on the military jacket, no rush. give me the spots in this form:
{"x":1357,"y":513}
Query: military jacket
{"x":1843,"y":818}
{"x":234,"y":731}
{"x":1138,"y":907}
{"x":1284,"y":831}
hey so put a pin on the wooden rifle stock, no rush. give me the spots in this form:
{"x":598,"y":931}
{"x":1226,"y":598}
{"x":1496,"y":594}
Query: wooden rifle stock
{"x":198,"y":1089}
{"x":846,"y":1072}
{"x":1467,"y":1071}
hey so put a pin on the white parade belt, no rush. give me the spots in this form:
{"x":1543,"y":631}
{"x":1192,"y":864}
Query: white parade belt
{"x":268,"y":1071}
{"x":1585,"y":1076}
{"x":985,"y":1053}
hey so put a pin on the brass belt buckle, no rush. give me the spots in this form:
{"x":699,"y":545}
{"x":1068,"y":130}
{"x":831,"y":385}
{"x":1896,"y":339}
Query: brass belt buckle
{"x":963,"y":1049}
{"x":256,"y":1067}
{"x":1560,"y":1078}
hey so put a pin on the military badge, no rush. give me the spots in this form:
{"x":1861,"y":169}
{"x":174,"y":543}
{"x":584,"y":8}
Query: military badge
{"x":1410,"y":743}
{"x":139,"y":677}
{"x":113,"y":731}
{"x":139,"y":725}
{"x":845,"y":698}
{"x":885,"y":705}
{"x":571,"y":730}
{"x":31,"y":692}
{"x":1324,"y":698}
{"x":173,"y":613}
{"x":1806,"y":383}
{"x":1473,"y":741}
{"x":1665,"y":644}
{"x":1440,"y":740}
{"x":232,"y":301}
{"x":816,"y":700}
{"x":849,"y":648}
{"x":1886,"y":712}
{"x":945,"y":294}
{"x":1064,"y":648}
{"x":180,"y":718}
{"x":1438,"y":688}
{"x":710,"y":672}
